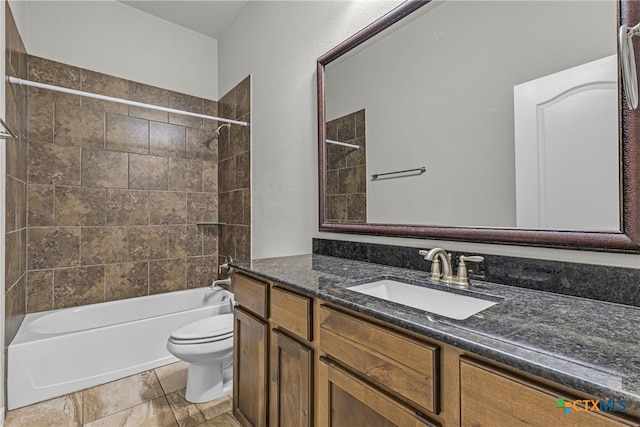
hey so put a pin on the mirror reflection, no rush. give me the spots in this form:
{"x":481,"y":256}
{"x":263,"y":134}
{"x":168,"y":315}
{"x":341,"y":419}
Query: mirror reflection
{"x":510,"y":109}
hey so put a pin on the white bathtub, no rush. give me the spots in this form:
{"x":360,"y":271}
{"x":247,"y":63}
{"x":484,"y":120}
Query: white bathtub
{"x":62,"y":351}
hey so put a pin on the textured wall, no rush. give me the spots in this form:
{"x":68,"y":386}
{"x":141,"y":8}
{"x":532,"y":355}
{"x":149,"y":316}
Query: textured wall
{"x":234,"y":183}
{"x":16,"y":178}
{"x":114,"y":192}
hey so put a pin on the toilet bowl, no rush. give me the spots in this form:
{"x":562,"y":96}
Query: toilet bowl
{"x":207,"y":345}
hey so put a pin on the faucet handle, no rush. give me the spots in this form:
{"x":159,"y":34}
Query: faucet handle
{"x":423,"y":252}
{"x":462,"y":277}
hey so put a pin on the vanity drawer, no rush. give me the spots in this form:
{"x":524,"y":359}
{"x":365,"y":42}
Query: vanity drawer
{"x":251,"y":294}
{"x":491,"y":397}
{"x":292,"y":312}
{"x":393,"y":361}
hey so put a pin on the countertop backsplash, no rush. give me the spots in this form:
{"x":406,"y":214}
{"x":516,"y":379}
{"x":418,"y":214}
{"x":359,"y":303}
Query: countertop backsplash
{"x":598,"y":282}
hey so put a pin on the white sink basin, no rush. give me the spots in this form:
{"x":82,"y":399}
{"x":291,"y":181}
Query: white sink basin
{"x":454,"y":306}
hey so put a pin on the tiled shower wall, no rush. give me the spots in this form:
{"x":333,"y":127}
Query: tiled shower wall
{"x":114,"y":191}
{"x":16,"y":182}
{"x":235,"y":175}
{"x":347,"y":170}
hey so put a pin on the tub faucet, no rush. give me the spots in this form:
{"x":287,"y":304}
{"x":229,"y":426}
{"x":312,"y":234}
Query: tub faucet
{"x":222,"y":283}
{"x":439,"y":256}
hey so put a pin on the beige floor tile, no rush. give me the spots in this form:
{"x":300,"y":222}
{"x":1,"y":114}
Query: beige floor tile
{"x":62,"y":411}
{"x":192,"y":414}
{"x":173,"y":377}
{"x":107,"y":399}
{"x":224,"y":420}
{"x":155,"y":413}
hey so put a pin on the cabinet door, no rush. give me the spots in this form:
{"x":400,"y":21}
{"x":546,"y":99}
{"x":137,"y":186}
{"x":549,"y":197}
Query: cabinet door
{"x":493,"y":398}
{"x":349,"y":401}
{"x":291,"y":397}
{"x":250,"y":370}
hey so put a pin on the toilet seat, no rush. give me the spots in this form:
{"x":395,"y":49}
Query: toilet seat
{"x":211,"y":329}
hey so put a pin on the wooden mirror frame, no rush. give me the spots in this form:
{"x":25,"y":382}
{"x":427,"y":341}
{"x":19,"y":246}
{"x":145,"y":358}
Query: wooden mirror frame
{"x":627,"y":240}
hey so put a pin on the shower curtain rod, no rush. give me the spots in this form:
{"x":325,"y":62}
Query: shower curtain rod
{"x":23,"y":82}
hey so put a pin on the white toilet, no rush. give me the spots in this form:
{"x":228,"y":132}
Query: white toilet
{"x":207,"y":345}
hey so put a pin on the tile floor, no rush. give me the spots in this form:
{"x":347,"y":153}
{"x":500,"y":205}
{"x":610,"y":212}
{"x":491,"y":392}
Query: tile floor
{"x":150,"y":399}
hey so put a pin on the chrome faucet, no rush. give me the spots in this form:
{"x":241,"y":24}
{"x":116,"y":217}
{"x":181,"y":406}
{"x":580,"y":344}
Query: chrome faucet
{"x":445,"y":275}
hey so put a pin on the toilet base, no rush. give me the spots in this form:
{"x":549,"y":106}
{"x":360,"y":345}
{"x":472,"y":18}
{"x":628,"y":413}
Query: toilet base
{"x":206,"y":382}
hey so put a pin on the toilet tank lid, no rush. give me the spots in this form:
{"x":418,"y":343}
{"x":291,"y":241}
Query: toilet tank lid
{"x":204,"y":328}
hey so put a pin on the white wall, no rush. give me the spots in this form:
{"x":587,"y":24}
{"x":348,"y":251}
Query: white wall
{"x":116,"y":39}
{"x":278,"y":44}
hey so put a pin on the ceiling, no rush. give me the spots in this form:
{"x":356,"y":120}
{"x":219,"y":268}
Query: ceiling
{"x":208,"y":17}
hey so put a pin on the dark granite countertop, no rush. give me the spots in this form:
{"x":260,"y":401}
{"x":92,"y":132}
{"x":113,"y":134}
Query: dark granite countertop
{"x":588,"y":345}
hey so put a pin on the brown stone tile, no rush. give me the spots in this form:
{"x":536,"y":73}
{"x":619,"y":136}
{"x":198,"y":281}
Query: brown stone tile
{"x":243,"y":243}
{"x":236,"y":205}
{"x":15,"y":308}
{"x":149,"y":95}
{"x":103,"y":245}
{"x":357,"y":207}
{"x":243,"y":170}
{"x":41,"y":205}
{"x":127,"y":134}
{"x":210,"y":239}
{"x":167,"y":140}
{"x":336,"y":157}
{"x":333,"y":184}
{"x":78,"y":286}
{"x":148,"y":172}
{"x":39,"y":290}
{"x":127,"y":207}
{"x":360,"y":125}
{"x":167,"y":275}
{"x":337,"y":209}
{"x":104,"y":400}
{"x":53,"y":165}
{"x":332,"y":130}
{"x":186,"y":175}
{"x":105,"y":169}
{"x":15,"y":256}
{"x":246,"y":197}
{"x":201,"y":271}
{"x":227,"y":242}
{"x":356,"y":157}
{"x":147,"y":243}
{"x":167,"y":207}
{"x":243,"y":97}
{"x":240,"y":140}
{"x":187,"y":414}
{"x":127,"y":280}
{"x":104,"y":84}
{"x":227,"y":105}
{"x":61,"y":411}
{"x":202,"y":207}
{"x":53,"y":247}
{"x":347,"y":128}
{"x":224,"y":208}
{"x":180,"y":101}
{"x":53,"y":73}
{"x":210,"y":108}
{"x":202,"y":144}
{"x":78,"y":126}
{"x":80,"y":206}
{"x":21,"y":167}
{"x":12,"y":200}
{"x":184,"y":241}
{"x":353,"y":180}
{"x":40,"y":118}
{"x":172,"y":377}
{"x":224,"y":141}
{"x":156,"y":413}
{"x":227,"y":175}
{"x":210,"y":177}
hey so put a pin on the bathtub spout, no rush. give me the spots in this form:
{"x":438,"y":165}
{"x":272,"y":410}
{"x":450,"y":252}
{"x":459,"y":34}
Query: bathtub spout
{"x":222,"y":283}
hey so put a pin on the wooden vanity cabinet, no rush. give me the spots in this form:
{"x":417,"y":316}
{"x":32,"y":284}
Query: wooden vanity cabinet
{"x":491,"y":397}
{"x":250,"y":351}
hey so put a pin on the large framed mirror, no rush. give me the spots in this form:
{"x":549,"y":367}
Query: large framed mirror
{"x":482,"y":121}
